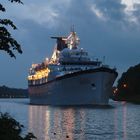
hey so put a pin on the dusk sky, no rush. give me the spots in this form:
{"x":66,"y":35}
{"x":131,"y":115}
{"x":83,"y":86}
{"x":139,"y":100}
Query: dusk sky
{"x":109,"y":28}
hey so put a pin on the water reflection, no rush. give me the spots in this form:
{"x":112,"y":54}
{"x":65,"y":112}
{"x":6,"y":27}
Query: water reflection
{"x":124,"y":121}
{"x":120,"y":124}
{"x":56,"y":123}
{"x":81,"y":123}
{"x":39,"y":122}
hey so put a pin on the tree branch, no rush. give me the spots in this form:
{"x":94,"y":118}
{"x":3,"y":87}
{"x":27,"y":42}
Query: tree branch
{"x":18,"y":1}
{"x":8,"y":22}
{"x":2,"y":8}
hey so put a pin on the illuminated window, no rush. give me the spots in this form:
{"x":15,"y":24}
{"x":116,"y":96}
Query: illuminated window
{"x":124,"y":85}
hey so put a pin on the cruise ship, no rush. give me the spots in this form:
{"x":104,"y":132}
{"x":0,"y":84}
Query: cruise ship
{"x":70,"y":76}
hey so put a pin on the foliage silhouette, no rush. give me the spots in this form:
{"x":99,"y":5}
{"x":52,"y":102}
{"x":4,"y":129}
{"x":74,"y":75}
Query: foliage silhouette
{"x":129,"y":85}
{"x":10,"y":129}
{"x":7,"y":42}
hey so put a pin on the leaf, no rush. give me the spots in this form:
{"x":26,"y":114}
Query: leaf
{"x":7,"y":42}
{"x":29,"y":136}
{"x":18,"y":1}
{"x":8,"y":22}
{"x":2,"y":8}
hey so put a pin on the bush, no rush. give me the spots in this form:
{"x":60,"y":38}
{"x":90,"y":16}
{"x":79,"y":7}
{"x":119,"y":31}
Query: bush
{"x":128,"y":88}
{"x":10,"y":129}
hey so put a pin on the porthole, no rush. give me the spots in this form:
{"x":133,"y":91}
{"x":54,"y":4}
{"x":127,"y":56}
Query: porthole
{"x":93,"y":86}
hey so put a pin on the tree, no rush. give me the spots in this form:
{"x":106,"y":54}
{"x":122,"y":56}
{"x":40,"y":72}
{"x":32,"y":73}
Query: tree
{"x":128,"y":87}
{"x":10,"y":129}
{"x":7,"y":42}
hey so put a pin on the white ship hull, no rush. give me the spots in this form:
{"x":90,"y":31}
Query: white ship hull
{"x":79,"y":88}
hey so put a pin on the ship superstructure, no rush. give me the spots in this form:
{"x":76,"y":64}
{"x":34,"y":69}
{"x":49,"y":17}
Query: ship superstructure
{"x":70,"y":76}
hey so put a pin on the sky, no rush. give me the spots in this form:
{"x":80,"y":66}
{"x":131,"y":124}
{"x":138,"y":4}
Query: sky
{"x":106,"y":28}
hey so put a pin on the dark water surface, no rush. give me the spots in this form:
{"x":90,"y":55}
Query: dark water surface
{"x":119,"y":121}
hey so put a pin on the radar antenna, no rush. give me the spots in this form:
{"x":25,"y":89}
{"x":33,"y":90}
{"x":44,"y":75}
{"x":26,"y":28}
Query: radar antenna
{"x":72,"y":28}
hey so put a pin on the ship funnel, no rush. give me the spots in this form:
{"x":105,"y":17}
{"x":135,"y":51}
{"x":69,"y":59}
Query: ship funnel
{"x":61,"y":43}
{"x":71,"y":42}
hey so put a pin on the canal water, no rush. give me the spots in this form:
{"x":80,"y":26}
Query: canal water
{"x":118,"y":121}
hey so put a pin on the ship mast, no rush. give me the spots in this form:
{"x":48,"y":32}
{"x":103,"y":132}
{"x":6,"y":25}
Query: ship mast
{"x":72,"y":40}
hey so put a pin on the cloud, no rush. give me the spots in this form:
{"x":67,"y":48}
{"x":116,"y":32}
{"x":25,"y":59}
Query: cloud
{"x":108,"y":9}
{"x":51,"y":13}
{"x":41,"y":14}
{"x":46,"y":13}
{"x":132,"y":10}
{"x":123,"y":12}
{"x":98,"y":12}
